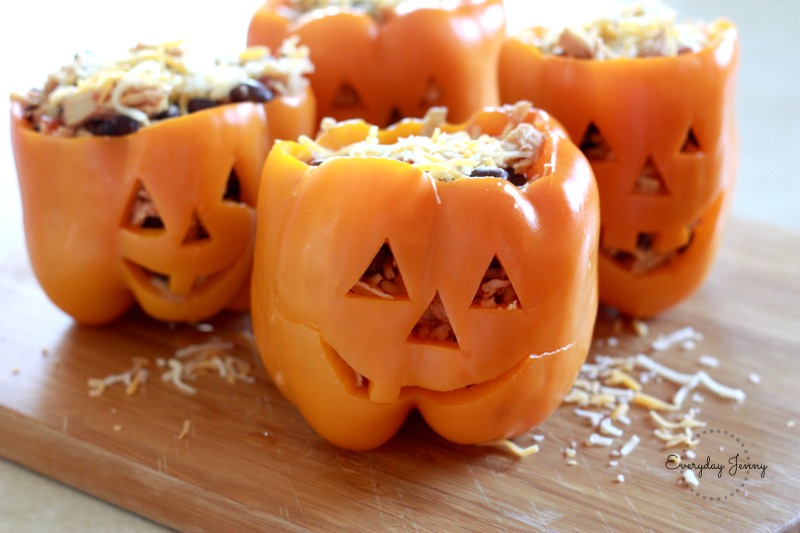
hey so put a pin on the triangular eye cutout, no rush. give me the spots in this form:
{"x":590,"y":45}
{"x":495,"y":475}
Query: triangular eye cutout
{"x":434,"y":325}
{"x":382,"y":278}
{"x":594,"y":145}
{"x":650,"y":182}
{"x":196,"y":231}
{"x":690,"y":144}
{"x":142,"y":212}
{"x":233,"y":188}
{"x":347,"y":96}
{"x":496,"y":290}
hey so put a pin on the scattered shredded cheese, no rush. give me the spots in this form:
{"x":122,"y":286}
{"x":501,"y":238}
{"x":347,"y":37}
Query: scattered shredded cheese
{"x":690,"y":478}
{"x":187,"y":425}
{"x":187,"y":364}
{"x":596,"y":439}
{"x":190,"y":361}
{"x":676,"y":337}
{"x":132,"y":379}
{"x":513,"y":447}
{"x":708,"y":361}
{"x":630,"y":445}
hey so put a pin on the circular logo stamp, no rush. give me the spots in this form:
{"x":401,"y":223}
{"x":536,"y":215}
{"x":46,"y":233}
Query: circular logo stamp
{"x":718,"y":465}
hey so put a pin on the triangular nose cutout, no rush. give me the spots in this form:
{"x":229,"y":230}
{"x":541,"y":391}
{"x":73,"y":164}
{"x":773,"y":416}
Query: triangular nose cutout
{"x":594,"y":145}
{"x":690,"y":144}
{"x":496,"y":290}
{"x":650,"y":182}
{"x":196,"y":232}
{"x":382,"y":278}
{"x":434,"y":326}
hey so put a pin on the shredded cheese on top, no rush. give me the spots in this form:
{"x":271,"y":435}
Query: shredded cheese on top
{"x":378,"y":9}
{"x":648,"y":29}
{"x":447,"y":156}
{"x":149,"y":79}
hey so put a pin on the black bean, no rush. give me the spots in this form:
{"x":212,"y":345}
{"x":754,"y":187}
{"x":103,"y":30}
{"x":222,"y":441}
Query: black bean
{"x":171,"y":112}
{"x":517,"y":179}
{"x":199,"y":104}
{"x":251,"y":92}
{"x":488,"y":172}
{"x":113,"y":126}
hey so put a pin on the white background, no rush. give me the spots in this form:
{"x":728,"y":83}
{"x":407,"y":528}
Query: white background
{"x":38,"y":36}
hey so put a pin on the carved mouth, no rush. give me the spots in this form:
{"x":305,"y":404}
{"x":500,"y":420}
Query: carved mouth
{"x":175,"y":286}
{"x":645,"y":258}
{"x":361,"y":386}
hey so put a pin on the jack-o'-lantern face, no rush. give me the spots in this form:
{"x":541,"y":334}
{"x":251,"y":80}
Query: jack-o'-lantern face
{"x":164,"y":216}
{"x":660,"y":136}
{"x":398,"y":65}
{"x":408,"y":292}
{"x":440,"y":327}
{"x":186,"y":232}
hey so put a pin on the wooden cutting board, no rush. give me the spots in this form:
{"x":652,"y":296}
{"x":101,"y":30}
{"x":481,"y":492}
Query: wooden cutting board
{"x":246,"y":460}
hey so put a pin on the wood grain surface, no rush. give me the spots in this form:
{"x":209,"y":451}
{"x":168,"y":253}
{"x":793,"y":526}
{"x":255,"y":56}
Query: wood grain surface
{"x":249,"y":461}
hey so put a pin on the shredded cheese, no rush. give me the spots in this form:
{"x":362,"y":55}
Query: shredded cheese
{"x":132,"y":379}
{"x":690,"y":478}
{"x":187,"y":425}
{"x":147,"y":83}
{"x":448,"y":156}
{"x":647,"y":29}
{"x":629,"y":446}
{"x":187,"y":363}
{"x":513,"y":447}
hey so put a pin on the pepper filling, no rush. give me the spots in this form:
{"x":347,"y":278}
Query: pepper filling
{"x":380,"y":10}
{"x":382,"y":279}
{"x":648,"y":29}
{"x":451,"y":156}
{"x":93,"y":96}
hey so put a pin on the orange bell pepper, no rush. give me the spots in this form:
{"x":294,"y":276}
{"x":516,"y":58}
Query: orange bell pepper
{"x":660,"y":134}
{"x":352,"y":362}
{"x":399,"y":66}
{"x":77,"y":197}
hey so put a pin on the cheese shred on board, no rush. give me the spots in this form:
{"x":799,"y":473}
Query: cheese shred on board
{"x":608,"y":388}
{"x":448,"y":156}
{"x":187,"y":364}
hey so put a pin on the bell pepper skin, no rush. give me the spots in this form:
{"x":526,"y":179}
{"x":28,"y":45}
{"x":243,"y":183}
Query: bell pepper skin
{"x":645,"y":109}
{"x":427,"y":56}
{"x":77,"y":195}
{"x":348,"y":362}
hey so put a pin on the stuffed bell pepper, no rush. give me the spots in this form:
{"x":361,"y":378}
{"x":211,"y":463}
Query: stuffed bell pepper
{"x":650,"y":101}
{"x":445,"y":267}
{"x":139,"y":175}
{"x":381,"y":60}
